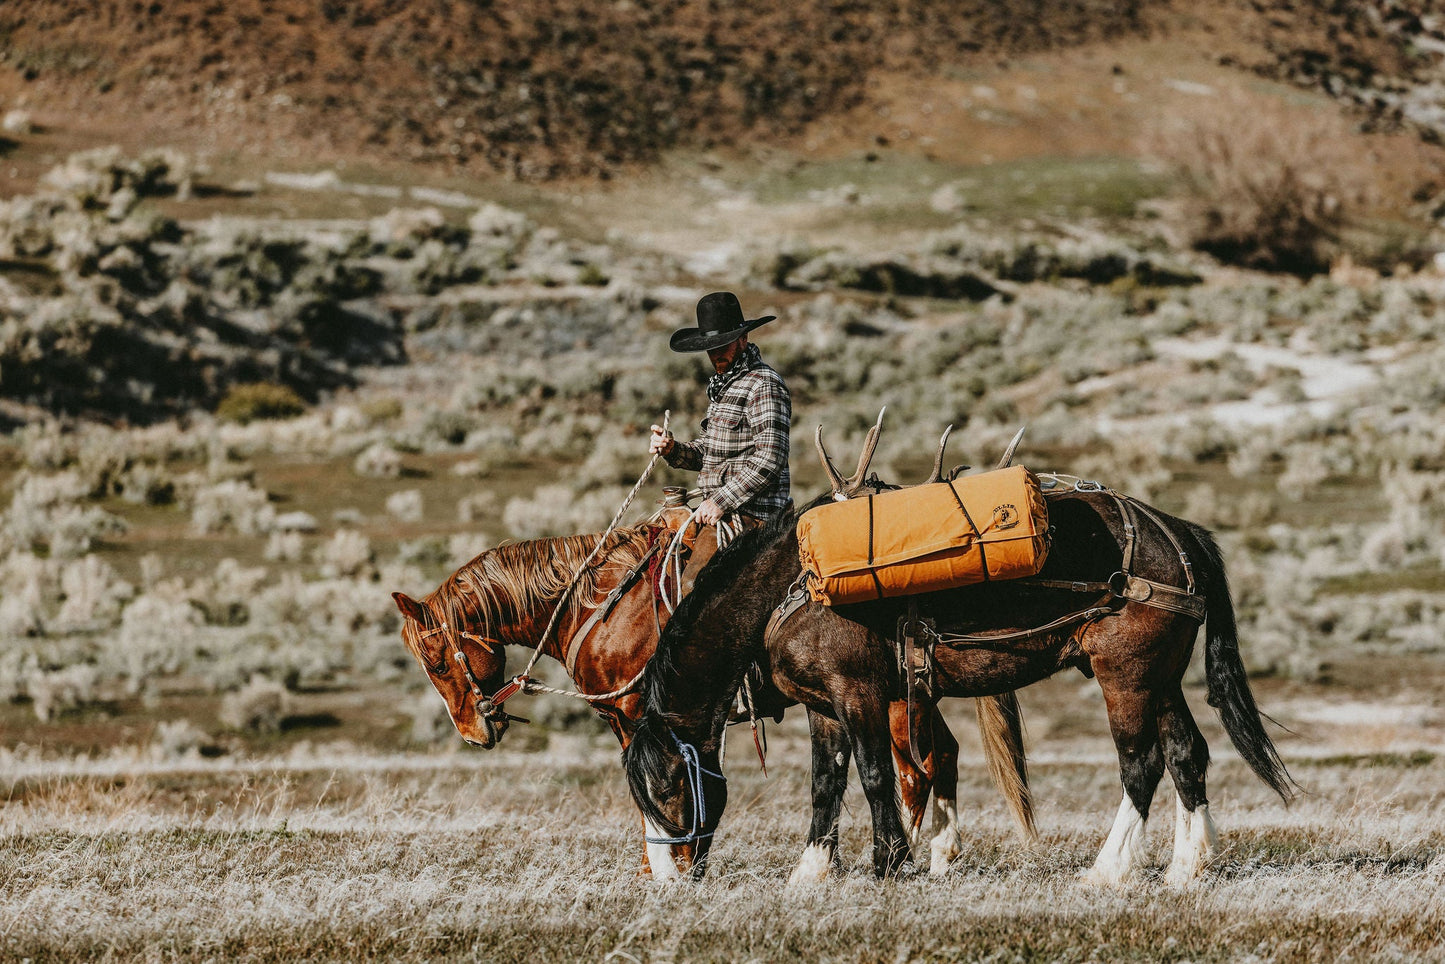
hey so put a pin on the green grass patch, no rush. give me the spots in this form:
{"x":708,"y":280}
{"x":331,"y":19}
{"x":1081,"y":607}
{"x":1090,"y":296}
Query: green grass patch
{"x":259,"y":400}
{"x":1418,"y":758}
{"x":896,"y":189}
{"x":1368,"y":583}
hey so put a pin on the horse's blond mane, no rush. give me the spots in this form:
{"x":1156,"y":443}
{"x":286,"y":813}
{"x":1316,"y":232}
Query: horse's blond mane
{"x":520,"y":579}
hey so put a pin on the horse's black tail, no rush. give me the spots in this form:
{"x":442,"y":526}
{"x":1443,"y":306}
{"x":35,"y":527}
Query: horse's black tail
{"x":1229,"y":691}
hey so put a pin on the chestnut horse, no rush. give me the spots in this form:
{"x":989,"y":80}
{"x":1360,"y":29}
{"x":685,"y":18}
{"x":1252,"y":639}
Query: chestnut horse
{"x":506,"y":596}
{"x":837,"y":664}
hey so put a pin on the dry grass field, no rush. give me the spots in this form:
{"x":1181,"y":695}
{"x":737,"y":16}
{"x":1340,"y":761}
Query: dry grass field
{"x":338,"y":852}
{"x":301,"y":338}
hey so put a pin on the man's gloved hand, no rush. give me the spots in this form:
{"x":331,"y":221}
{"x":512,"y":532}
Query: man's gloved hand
{"x":708,"y":513}
{"x":662,"y":442}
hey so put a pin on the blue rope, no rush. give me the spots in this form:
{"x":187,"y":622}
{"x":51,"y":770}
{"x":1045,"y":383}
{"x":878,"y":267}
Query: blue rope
{"x":692,"y":773}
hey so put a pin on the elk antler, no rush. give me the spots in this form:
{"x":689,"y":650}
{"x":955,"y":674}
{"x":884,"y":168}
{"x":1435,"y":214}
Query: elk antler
{"x":834,"y":479}
{"x":937,"y":475}
{"x":845,"y":488}
{"x":1008,"y":453}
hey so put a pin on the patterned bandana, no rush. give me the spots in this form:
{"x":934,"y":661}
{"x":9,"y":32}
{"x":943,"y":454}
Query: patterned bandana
{"x":750,"y":358}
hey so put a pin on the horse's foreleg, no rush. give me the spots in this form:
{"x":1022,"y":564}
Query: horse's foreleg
{"x":867,"y":723}
{"x":830,"y":779}
{"x":646,"y":869}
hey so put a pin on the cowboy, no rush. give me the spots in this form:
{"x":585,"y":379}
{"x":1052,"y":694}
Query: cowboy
{"x":741,"y":458}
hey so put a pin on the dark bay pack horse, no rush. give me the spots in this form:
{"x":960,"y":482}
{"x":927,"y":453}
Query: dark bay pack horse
{"x":1130,"y":563}
{"x":505,"y":597}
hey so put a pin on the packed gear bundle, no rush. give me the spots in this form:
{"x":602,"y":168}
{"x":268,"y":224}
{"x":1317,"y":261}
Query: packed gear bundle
{"x":942,"y":535}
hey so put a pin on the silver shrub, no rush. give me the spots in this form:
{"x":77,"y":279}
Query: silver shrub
{"x":405,"y":506}
{"x":347,"y":553}
{"x":29,"y":587}
{"x":431,"y":724}
{"x":92,"y":596}
{"x":380,"y":461}
{"x":548,"y":512}
{"x":160,"y":633}
{"x":555,"y":510}
{"x":472,"y":507}
{"x":49,"y":511}
{"x":257,"y":707}
{"x":463,"y":547}
{"x":100,"y":177}
{"x":284,"y":547}
{"x":1274,"y":594}
{"x":429,"y":551}
{"x":43,"y":446}
{"x":232,"y":506}
{"x":616,"y":459}
{"x":53,"y":693}
{"x":177,"y":740}
{"x":227,"y":594}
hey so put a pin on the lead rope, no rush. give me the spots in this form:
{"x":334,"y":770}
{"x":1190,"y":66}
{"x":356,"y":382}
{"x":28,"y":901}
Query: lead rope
{"x":524,"y":679}
{"x":693,"y":771}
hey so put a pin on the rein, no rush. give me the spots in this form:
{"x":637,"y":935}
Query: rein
{"x":523,"y":681}
{"x":693,"y":772}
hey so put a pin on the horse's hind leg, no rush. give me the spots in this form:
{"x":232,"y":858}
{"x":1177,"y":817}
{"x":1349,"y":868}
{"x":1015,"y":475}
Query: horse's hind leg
{"x":1133,"y":722}
{"x":947,"y":842}
{"x":914,"y":782}
{"x":939,"y":774}
{"x":830,"y":779}
{"x":1187,"y":756}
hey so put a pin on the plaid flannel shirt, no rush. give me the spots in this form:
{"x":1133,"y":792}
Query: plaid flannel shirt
{"x":742,"y":456}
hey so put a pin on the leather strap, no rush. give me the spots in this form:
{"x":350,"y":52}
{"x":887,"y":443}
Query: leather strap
{"x":977,"y":534}
{"x":795,"y":600}
{"x":978,"y":640}
{"x":600,"y":614}
{"x":1163,"y":596}
{"x":877,"y":583}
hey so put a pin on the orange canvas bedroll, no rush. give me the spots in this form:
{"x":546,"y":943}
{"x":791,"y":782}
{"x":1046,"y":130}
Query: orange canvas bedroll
{"x":943,"y":535}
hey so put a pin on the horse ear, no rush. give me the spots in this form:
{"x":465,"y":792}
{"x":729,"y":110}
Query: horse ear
{"x":409,"y":607}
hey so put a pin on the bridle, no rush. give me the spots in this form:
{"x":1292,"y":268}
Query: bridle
{"x":489,"y":710}
{"x":692,"y":770}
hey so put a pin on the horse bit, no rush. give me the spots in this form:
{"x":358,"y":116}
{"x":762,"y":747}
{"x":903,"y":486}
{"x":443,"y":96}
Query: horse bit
{"x":489,"y":710}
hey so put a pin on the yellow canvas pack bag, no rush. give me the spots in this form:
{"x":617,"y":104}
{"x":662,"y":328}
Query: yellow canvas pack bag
{"x":979,"y":528}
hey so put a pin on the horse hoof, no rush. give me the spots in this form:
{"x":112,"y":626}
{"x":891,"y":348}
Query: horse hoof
{"x":813,"y":866}
{"x":903,"y":871}
{"x":1096,"y":878}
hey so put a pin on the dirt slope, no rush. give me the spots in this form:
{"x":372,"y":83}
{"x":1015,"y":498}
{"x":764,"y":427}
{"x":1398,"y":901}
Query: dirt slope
{"x":540,"y":88}
{"x":534,"y":88}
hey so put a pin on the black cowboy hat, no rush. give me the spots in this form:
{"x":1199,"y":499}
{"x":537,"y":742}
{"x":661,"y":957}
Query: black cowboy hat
{"x":719,"y":321}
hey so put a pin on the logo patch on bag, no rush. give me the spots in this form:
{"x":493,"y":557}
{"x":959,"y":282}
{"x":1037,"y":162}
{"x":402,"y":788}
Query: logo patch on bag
{"x":1005,"y":516}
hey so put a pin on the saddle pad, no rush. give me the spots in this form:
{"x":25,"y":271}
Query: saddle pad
{"x":979,"y":528}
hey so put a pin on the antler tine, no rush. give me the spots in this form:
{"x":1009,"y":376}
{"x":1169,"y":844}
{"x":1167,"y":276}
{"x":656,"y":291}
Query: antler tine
{"x":869,"y":445}
{"x":1008,"y":453}
{"x":834,"y":479}
{"x":937,"y":475}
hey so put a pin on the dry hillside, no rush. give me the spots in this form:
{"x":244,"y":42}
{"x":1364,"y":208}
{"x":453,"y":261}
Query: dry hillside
{"x":540,"y":88}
